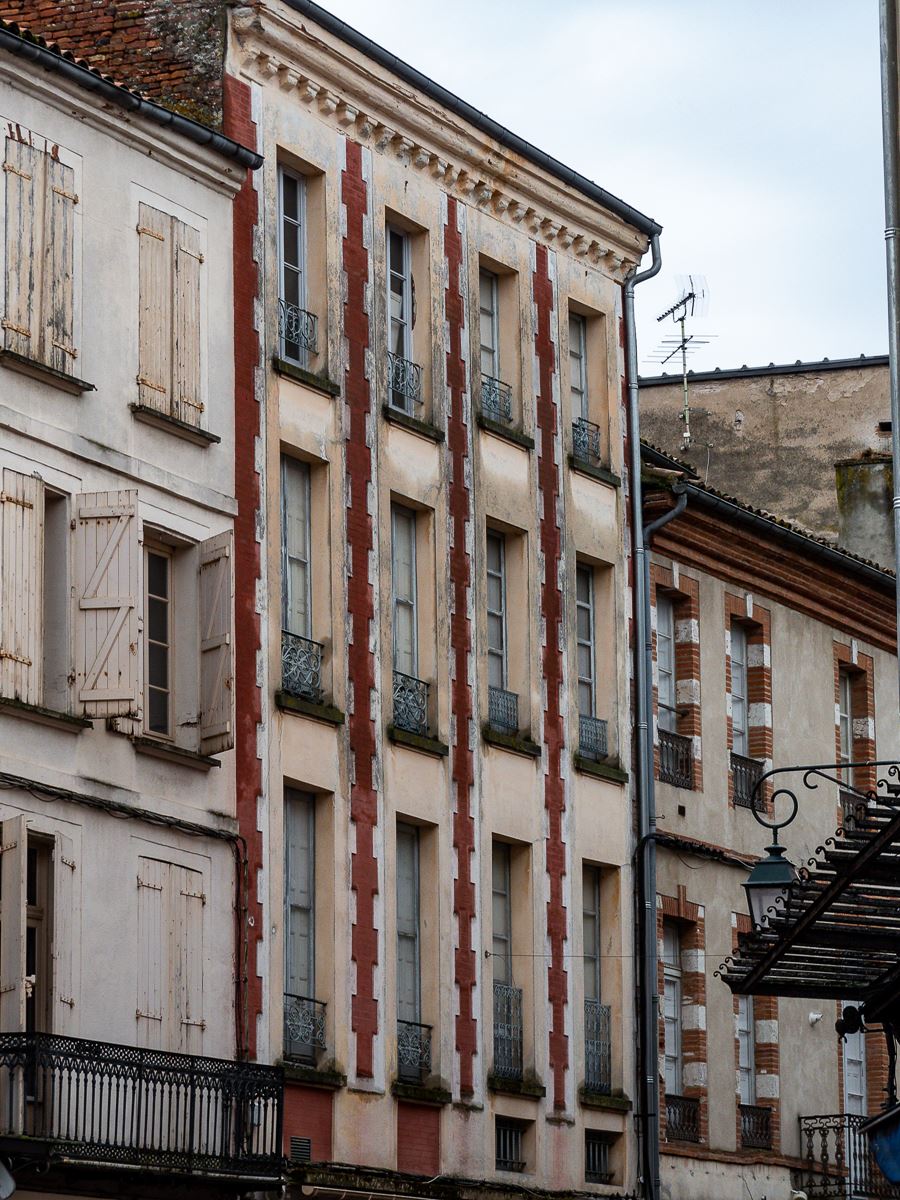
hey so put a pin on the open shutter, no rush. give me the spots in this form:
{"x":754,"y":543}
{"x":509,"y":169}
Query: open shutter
{"x":23,"y":175}
{"x":187,"y":901}
{"x":155,"y":309}
{"x":21,"y":572}
{"x":13,"y":877}
{"x":107,"y":580}
{"x":216,"y":651}
{"x":66,"y":913}
{"x":186,"y":401}
{"x":152,"y":945}
{"x":57,"y":309}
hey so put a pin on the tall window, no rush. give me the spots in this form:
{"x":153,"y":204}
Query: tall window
{"x":300,"y":893}
{"x":408,"y":954}
{"x":590,"y":900}
{"x":746,"y":1051}
{"x":665,"y":662}
{"x":158,"y":566}
{"x":501,"y":949}
{"x":584,"y":632}
{"x":297,"y":331}
{"x":488,"y":298}
{"x":739,"y":707}
{"x":672,"y":1007}
{"x":578,"y":366}
{"x":403,"y":571}
{"x":496,"y":609}
{"x":296,"y":575}
{"x":37,"y":941}
{"x":845,"y":721}
{"x":854,"y":1060}
{"x":400,"y":314}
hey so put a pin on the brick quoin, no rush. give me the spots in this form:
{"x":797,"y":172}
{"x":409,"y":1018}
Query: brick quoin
{"x":418,"y":1139}
{"x":461,"y":764}
{"x":551,"y":613}
{"x":361,"y":612}
{"x":309,"y":1112}
{"x":239,"y":125}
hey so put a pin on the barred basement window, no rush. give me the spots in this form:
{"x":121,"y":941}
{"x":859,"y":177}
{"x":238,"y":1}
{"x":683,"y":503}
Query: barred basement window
{"x":596,"y":1157}
{"x":509,"y":1151}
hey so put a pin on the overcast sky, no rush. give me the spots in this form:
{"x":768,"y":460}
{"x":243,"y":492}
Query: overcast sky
{"x":750,"y":129}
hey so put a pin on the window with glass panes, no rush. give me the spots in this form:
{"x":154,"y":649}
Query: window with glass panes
{"x":853,"y":1051}
{"x":403,"y":572}
{"x":672,"y":1007}
{"x":496,"y":608}
{"x":501,"y":946}
{"x":578,"y":366}
{"x":590,"y":919}
{"x":400,"y":303}
{"x":300,"y":894}
{"x":408,"y":955}
{"x":584,"y":634}
{"x":158,"y":565}
{"x":739,"y":706}
{"x":292,"y":267}
{"x":845,"y":721}
{"x":665,"y":662}
{"x":296,"y":572}
{"x":746,"y":1051}
{"x":488,"y":306}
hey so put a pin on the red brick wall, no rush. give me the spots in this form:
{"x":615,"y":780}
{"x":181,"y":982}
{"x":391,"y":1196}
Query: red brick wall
{"x":418,"y":1139}
{"x":308,"y":1112}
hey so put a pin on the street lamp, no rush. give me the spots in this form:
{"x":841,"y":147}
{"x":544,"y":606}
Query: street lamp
{"x":769,"y":881}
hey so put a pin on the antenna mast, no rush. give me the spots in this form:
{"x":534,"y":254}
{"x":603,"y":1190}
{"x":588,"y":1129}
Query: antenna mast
{"x":693,"y":302}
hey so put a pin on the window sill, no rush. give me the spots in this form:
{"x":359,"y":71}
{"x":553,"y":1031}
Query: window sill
{"x":594,"y":472}
{"x":530,"y":1087}
{"x":174,"y":754}
{"x":319,"y":383}
{"x":309,"y":708}
{"x":321,"y":1077}
{"x":44,"y":716}
{"x":38,"y":370}
{"x":418,"y":741}
{"x":182,"y":429}
{"x":612,"y":1102}
{"x":507,"y":432}
{"x":518,"y":743}
{"x":425,"y":429}
{"x":600,"y":770}
{"x":420,"y":1092}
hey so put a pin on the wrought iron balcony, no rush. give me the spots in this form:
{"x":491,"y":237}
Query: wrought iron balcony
{"x":404,"y":382}
{"x":507,"y":1031}
{"x":496,"y":399}
{"x":304,"y":1028}
{"x":597,"y":1048}
{"x":837,"y":1161}
{"x":298,"y":331}
{"x":747,"y":773}
{"x":128,"y":1107}
{"x":301,"y":666}
{"x":676,"y":759}
{"x":413,"y":1051}
{"x":586,"y":445}
{"x":756,"y":1127}
{"x":503,"y":710}
{"x":410,"y":704}
{"x":593,"y":737}
{"x":682,"y":1119}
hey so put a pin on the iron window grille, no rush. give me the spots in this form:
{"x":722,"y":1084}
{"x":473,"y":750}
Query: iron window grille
{"x":298,"y":331}
{"x":509,"y":1154}
{"x":507,"y":1031}
{"x":756,"y":1126}
{"x":597,"y":1047}
{"x":586,"y":445}
{"x":593,"y":737}
{"x":496,"y":399}
{"x":676,"y":759}
{"x":682,"y":1118}
{"x":503,"y":710}
{"x":301,"y":666}
{"x":413,"y":1051}
{"x":410,"y":704}
{"x":747,"y":773}
{"x":304,"y":1028}
{"x":596,"y":1157}
{"x":404,"y":383}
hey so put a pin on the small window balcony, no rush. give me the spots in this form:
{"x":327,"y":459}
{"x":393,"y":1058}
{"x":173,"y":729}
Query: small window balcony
{"x":682,"y":1119}
{"x":404,"y":384}
{"x":593,"y":738}
{"x":304,"y":1029}
{"x":747,"y":773}
{"x":597,"y":1048}
{"x":756,"y":1127}
{"x":410,"y":704}
{"x":507,"y":1032}
{"x":301,"y":667}
{"x":298,"y":332}
{"x":503,"y":710}
{"x":586,"y":444}
{"x":413,"y":1051}
{"x":496,"y":400}
{"x":676,"y":759}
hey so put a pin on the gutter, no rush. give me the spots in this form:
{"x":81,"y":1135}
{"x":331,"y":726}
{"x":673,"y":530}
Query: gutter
{"x":92,"y":81}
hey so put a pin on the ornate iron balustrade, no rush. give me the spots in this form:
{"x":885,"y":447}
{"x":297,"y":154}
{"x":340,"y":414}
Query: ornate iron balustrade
{"x":676,"y":759}
{"x":597,"y":1047}
{"x":410,"y":704}
{"x":756,"y":1126}
{"x":837,"y":1162}
{"x":496,"y":399}
{"x":503,"y":710}
{"x":304,"y":1028}
{"x":593,"y":737}
{"x":298,"y":331}
{"x":747,"y":773}
{"x":125,"y":1106}
{"x":682,"y":1119}
{"x":507,"y":1031}
{"x":413,"y":1051}
{"x":301,"y":666}
{"x":586,"y":441}
{"x":404,"y":382}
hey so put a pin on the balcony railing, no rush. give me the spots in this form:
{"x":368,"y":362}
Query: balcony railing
{"x":676,"y":759}
{"x":837,"y":1162}
{"x":747,"y":773}
{"x":298,"y":330}
{"x":756,"y":1127}
{"x":304,"y":1028}
{"x":496,"y":399}
{"x":507,"y":1031}
{"x":404,"y":383}
{"x":413,"y":1051}
{"x":597,"y":1048}
{"x":503,"y":710}
{"x":410,"y":704}
{"x":121,"y":1105}
{"x":301,"y":666}
{"x":682,"y":1119}
{"x":593,"y":737}
{"x":586,"y":441}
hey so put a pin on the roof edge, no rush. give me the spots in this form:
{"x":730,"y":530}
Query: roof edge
{"x":744,"y":372}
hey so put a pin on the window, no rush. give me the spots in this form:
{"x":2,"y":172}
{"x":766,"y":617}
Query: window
{"x":501,"y":951}
{"x":584,"y":618}
{"x":596,"y":1157}
{"x":739,"y":704}
{"x":590,"y":917}
{"x":295,"y":547}
{"x":578,"y":382}
{"x":403,"y":574}
{"x":297,"y":326}
{"x":672,"y":1007}
{"x":489,"y":310}
{"x":405,"y":376}
{"x":853,"y":1050}
{"x":845,"y":722}
{"x":158,"y":601}
{"x":746,"y":1051}
{"x":37,"y":935}
{"x":300,"y":894}
{"x":665,"y":662}
{"x":408,"y":968}
{"x":496,"y":609}
{"x":510,"y":1152}
{"x":56,"y":601}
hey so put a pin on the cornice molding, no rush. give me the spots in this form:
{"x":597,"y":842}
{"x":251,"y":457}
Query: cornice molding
{"x":364,"y":102}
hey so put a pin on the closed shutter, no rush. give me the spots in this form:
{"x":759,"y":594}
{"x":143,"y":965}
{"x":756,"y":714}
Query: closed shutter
{"x":155,"y":309}
{"x":21,"y":572}
{"x":186,"y":401}
{"x":299,"y":815}
{"x":216,"y":651}
{"x":107,"y":579}
{"x":408,"y":1007}
{"x":23,"y":238}
{"x":13,"y":878}
{"x":186,"y":901}
{"x":66,"y":918}
{"x":58,"y":301}
{"x":152,"y":878}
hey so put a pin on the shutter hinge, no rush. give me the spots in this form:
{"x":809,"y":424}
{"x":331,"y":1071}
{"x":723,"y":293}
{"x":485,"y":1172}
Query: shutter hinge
{"x":154,"y":387}
{"x":10,"y":987}
{"x":13,"y":170}
{"x":5,"y":324}
{"x":196,"y":1024}
{"x":13,"y":657}
{"x":195,"y":896}
{"x":192,"y":403}
{"x":70,"y":350}
{"x":147,"y":1016}
{"x":191,"y":254}
{"x":69,"y":1001}
{"x":65,"y":195}
{"x":154,"y":887}
{"x":5,"y":498}
{"x":8,"y":846}
{"x":67,"y":862}
{"x":160,"y":237}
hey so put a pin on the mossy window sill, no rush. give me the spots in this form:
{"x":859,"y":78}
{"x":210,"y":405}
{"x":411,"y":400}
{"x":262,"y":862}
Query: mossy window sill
{"x":321,"y":1077}
{"x":44,"y":716}
{"x":418,"y":741}
{"x":507,"y":432}
{"x":38,"y":370}
{"x":518,"y":743}
{"x":420,"y":1092}
{"x":600,"y":770}
{"x":174,"y":754}
{"x":593,"y":471}
{"x":319,"y":383}
{"x":615,"y":1102}
{"x":425,"y":429}
{"x":182,"y":429}
{"x":309,"y":708}
{"x":530,"y":1087}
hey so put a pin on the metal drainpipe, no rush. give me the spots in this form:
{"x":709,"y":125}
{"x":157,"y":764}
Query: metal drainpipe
{"x":890,"y":81}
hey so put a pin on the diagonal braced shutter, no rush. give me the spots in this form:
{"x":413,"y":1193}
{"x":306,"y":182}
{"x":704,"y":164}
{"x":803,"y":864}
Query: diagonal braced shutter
{"x":58,"y":301}
{"x":216,"y":651}
{"x":107,"y":579}
{"x":13,"y":878}
{"x":22,"y":584}
{"x":186,"y":402}
{"x":155,"y":315}
{"x":23,"y":239}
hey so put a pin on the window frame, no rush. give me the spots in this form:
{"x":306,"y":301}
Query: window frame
{"x":289,"y":464}
{"x":665,"y":635}
{"x":166,"y":553}
{"x":739,"y":730}
{"x":672,"y":987}
{"x":403,"y":513}
{"x":493,"y":652}
{"x":501,"y":854}
{"x":845,"y":723}
{"x":405,"y":275}
{"x":294,"y":800}
{"x":582,"y":409}
{"x":746,"y":1039}
{"x":494,"y":318}
{"x":590,"y":893}
{"x":300,"y":268}
{"x":583,"y":571}
{"x":411,"y":832}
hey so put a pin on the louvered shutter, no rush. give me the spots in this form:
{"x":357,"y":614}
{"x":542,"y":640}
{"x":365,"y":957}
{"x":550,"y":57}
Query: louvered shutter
{"x":22,"y":169}
{"x":155,"y":309}
{"x":13,"y":877}
{"x":186,"y":956}
{"x":186,"y":400}
{"x":66,"y":920}
{"x":216,"y":651}
{"x":22,"y":584}
{"x":58,"y":300}
{"x":107,"y":581}
{"x":152,"y":943}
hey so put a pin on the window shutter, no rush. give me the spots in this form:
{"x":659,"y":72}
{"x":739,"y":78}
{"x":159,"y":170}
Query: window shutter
{"x":107,"y":581}
{"x":186,"y":962}
{"x":58,"y":304}
{"x":300,"y":973}
{"x":22,"y":173}
{"x":66,"y":912}
{"x":22,"y":570}
{"x":152,"y":940}
{"x":407,"y":924}
{"x":155,"y":309}
{"x":186,"y":402}
{"x":216,"y":653}
{"x":13,"y":876}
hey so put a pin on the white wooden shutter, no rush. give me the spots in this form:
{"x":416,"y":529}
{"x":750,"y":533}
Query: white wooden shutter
{"x":155,"y":309}
{"x":13,"y":878}
{"x":216,"y":651}
{"x":24,"y":250}
{"x":22,"y":585}
{"x":152,"y":942}
{"x":66,"y":920}
{"x":187,"y":900}
{"x":186,"y":399}
{"x":58,"y":301}
{"x":107,"y":581}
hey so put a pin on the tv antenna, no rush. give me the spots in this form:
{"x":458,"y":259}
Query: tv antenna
{"x":693,"y":302}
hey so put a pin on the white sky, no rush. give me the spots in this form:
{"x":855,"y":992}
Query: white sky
{"x":750,"y":129}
